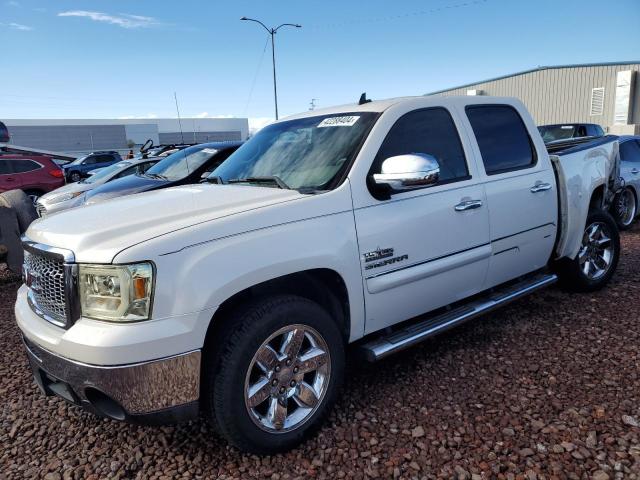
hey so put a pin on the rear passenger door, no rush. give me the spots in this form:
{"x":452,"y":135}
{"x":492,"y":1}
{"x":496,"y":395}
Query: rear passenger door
{"x":521,"y":192}
{"x":630,"y":164}
{"x":8,"y":180}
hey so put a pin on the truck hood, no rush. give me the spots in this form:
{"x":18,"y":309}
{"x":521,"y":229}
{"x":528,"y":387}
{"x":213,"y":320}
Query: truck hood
{"x":96,"y":233}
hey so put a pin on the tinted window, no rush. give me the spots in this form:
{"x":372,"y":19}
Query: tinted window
{"x":23,"y":166}
{"x":430,"y":131}
{"x":90,"y":160}
{"x":182,"y":163}
{"x":630,"y":151}
{"x":4,"y":167}
{"x":502,"y":137}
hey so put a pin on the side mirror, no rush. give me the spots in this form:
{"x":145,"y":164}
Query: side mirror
{"x":408,"y":172}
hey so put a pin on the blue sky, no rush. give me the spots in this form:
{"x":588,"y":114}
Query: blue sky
{"x":118,"y":58}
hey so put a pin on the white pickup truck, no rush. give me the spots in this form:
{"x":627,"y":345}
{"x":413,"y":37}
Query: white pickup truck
{"x":379,"y":224}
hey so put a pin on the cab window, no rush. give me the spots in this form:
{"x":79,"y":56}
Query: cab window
{"x":430,"y":131}
{"x":502,"y":137}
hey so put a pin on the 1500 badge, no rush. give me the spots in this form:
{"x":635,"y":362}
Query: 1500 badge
{"x":381,"y":257}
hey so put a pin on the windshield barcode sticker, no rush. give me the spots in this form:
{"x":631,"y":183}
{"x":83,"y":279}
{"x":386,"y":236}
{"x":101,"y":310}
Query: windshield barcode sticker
{"x":346,"y":121}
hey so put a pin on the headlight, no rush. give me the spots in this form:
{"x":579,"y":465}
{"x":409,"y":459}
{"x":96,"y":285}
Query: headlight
{"x":64,"y":197}
{"x":120,"y":293}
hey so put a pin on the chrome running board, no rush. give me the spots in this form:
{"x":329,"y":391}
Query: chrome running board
{"x":426,"y":327}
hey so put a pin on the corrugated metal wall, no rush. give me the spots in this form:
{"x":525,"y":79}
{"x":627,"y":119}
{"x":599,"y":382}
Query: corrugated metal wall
{"x":557,"y":95}
{"x":199,"y":137}
{"x":69,"y":138}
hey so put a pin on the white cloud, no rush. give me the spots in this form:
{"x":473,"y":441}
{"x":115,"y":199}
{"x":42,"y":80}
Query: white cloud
{"x":257,"y":123}
{"x":202,"y":115}
{"x":12,"y":3}
{"x":17,"y":26}
{"x":139,"y":117}
{"x":122,"y":20}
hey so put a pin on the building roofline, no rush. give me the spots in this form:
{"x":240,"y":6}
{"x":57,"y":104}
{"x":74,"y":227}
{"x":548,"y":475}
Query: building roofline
{"x":537,"y":69}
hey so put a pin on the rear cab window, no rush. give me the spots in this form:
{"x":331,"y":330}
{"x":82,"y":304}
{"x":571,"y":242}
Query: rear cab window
{"x":503,"y":139}
{"x":430,"y":131}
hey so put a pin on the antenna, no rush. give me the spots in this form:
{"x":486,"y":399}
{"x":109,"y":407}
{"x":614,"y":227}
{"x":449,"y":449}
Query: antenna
{"x":179,"y":121}
{"x":363,"y":99}
{"x":312,"y":104}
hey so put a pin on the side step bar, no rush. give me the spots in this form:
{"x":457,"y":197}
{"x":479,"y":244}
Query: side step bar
{"x":380,"y":347}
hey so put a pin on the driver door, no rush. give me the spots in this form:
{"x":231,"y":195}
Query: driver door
{"x":426,"y":248}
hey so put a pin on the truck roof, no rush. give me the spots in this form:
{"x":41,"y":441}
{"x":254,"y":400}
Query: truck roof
{"x":421,"y":100}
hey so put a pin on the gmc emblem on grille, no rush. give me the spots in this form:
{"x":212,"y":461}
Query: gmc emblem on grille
{"x":31,"y":280}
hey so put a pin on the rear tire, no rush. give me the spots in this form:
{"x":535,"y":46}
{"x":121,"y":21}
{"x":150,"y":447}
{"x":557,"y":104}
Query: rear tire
{"x":624,"y":208}
{"x":74,"y":177}
{"x":276,"y":376}
{"x":22,"y":205}
{"x":597,"y":258}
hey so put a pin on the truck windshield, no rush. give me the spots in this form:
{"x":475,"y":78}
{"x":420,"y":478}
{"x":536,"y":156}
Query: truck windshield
{"x":182,"y":163}
{"x":307,"y":153}
{"x":557,"y":132}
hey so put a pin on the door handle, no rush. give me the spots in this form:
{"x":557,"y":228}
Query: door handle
{"x":635,"y":171}
{"x":468,"y":205}
{"x":540,"y":187}
{"x":10,"y":179}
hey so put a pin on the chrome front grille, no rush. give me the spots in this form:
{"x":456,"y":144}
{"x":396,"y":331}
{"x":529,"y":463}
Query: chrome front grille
{"x":45,"y":277}
{"x":40,"y":209}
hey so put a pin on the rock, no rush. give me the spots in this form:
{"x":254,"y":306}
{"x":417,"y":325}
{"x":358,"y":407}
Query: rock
{"x":526,"y":452}
{"x":629,"y":420}
{"x":417,"y":432}
{"x":600,"y":475}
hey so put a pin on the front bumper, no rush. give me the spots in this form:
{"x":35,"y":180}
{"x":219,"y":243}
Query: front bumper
{"x":154,"y":392}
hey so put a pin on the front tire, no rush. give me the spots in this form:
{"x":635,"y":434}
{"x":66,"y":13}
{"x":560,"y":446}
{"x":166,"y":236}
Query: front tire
{"x":624,"y":208}
{"x":597,"y":258}
{"x":75,"y":177}
{"x":276,"y":376}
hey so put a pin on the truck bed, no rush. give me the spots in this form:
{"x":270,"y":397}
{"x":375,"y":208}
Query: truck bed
{"x":583,"y":166}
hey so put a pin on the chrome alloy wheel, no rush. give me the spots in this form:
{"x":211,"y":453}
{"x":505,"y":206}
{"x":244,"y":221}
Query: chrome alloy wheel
{"x":596,"y":252}
{"x":626,"y":207}
{"x":287,"y":379}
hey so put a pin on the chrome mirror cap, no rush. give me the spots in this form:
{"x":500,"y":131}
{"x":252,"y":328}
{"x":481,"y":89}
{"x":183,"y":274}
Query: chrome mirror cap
{"x":408,"y":172}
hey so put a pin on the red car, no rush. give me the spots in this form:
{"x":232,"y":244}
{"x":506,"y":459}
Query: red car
{"x":34,"y":174}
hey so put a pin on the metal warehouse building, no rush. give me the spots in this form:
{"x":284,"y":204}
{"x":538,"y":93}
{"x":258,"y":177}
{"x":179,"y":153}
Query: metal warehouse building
{"x":81,"y":136}
{"x":604,"y":93}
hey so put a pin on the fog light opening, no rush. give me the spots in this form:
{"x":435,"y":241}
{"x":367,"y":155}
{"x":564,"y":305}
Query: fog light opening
{"x":104,"y":404}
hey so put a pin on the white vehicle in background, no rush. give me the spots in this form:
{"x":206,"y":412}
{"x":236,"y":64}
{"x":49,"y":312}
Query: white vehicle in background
{"x":72,"y":195}
{"x":625,"y":205}
{"x":380,"y":224}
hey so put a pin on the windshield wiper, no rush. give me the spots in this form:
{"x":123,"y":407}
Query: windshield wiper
{"x":155,"y":175}
{"x":273,"y":179}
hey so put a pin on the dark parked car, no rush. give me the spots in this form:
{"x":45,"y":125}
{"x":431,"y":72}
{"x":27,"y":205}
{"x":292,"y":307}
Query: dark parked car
{"x":186,"y":166}
{"x":35,"y":175}
{"x":4,"y":133}
{"x":80,"y":167}
{"x":567,"y":131}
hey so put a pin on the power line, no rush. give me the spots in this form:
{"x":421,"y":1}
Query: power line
{"x":255,"y":77}
{"x":389,"y":18}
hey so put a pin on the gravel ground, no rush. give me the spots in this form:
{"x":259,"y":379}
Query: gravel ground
{"x":548,"y":388}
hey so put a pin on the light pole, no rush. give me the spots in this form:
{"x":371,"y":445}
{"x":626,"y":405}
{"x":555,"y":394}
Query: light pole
{"x":272,"y":32}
